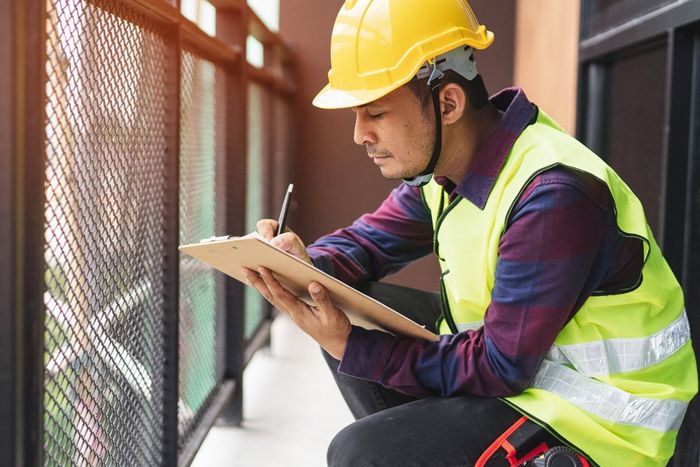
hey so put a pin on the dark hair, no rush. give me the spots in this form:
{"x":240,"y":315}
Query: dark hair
{"x":475,"y":89}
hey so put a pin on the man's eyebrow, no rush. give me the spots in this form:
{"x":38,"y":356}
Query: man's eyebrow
{"x":364,"y":106}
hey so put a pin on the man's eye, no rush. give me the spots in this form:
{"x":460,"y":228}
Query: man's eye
{"x":375,"y":115}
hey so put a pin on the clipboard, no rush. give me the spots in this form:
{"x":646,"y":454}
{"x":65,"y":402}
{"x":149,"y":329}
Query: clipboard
{"x":229,"y":255}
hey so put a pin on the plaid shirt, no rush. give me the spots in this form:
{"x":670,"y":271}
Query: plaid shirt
{"x":560,"y":245}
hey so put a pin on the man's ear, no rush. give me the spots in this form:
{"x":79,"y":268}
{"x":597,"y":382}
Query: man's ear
{"x":453,"y":102}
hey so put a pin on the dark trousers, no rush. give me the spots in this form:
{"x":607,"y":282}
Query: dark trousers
{"x":392,"y":429}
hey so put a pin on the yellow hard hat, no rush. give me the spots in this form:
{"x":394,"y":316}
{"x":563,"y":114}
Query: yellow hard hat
{"x":379,"y":45}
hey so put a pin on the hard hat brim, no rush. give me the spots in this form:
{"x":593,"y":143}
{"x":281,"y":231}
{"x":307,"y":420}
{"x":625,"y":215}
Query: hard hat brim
{"x":329,"y":98}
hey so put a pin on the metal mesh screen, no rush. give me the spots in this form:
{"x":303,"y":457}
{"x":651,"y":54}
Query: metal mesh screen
{"x":255,"y":208}
{"x":202,"y":214}
{"x":106,"y":128}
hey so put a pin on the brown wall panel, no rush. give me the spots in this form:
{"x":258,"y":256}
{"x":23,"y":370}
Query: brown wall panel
{"x":546,"y":56}
{"x":335,"y":182}
{"x":496,"y":64}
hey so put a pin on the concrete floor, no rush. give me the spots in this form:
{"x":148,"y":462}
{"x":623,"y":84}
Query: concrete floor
{"x":292,"y":408}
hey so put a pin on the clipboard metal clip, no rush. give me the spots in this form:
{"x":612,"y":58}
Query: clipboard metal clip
{"x":216,"y":239}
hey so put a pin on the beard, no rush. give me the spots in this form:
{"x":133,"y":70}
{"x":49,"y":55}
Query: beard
{"x":405,"y":167}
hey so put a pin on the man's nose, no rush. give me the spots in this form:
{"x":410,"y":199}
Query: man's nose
{"x":363,"y":134}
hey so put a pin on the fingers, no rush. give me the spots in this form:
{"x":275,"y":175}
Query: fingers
{"x":324,"y":307}
{"x":284,"y":300}
{"x":324,"y":322}
{"x":279,"y":294}
{"x":319,"y":295}
{"x":257,"y":282}
{"x":287,"y":241}
{"x":292,"y":244}
{"x":267,"y":228}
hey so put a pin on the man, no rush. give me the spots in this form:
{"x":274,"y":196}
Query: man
{"x":561,"y":323}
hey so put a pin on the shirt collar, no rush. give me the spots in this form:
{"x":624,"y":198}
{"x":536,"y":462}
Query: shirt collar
{"x":490,"y":157}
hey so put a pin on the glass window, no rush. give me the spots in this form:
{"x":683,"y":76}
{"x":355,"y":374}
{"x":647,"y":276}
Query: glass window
{"x":200,"y":12}
{"x":268,"y":11}
{"x":255,"y":52}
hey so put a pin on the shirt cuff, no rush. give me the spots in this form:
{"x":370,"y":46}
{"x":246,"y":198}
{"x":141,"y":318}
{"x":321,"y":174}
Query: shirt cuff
{"x":320,"y":260}
{"x":365,"y":354}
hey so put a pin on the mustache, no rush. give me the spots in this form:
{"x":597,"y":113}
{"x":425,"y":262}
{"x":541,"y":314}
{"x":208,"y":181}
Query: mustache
{"x":374,"y":152}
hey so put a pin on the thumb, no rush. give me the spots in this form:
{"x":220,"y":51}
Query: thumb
{"x":319,"y":294}
{"x":289,"y":242}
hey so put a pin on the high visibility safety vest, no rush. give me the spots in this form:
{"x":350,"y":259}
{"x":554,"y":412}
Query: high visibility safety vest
{"x":618,"y":379}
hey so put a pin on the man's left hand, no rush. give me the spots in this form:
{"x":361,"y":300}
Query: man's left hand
{"x":324,"y":322}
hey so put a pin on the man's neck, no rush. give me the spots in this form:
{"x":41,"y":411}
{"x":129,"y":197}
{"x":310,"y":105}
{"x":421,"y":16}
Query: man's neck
{"x":463,"y":140}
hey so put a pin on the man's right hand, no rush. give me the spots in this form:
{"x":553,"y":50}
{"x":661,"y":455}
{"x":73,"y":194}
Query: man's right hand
{"x":287,"y":241}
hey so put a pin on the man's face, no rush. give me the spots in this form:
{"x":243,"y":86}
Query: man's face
{"x":397,"y":133}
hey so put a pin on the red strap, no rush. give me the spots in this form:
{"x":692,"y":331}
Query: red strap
{"x":495,"y":446}
{"x":510,"y":449}
{"x":511,"y":453}
{"x":515,"y":462}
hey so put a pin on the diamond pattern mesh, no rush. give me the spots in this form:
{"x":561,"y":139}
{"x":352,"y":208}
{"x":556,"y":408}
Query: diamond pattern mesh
{"x":202,"y":214}
{"x":110,"y":95}
{"x":106,"y":125}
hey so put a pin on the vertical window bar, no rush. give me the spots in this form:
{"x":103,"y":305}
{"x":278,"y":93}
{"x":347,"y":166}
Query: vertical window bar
{"x":171,"y":261}
{"x":232,"y":29}
{"x":31,"y":179}
{"x":687,"y":451}
{"x":676,"y":147}
{"x":12,"y":367}
{"x":595,"y":123}
{"x":691,"y":243}
{"x":10,"y":340}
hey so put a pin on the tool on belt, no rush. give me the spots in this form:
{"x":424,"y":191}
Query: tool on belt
{"x":527,"y":444}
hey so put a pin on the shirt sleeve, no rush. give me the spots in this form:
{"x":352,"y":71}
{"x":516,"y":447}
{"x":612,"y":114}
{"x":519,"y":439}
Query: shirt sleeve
{"x":379,"y":243}
{"x":557,"y":248}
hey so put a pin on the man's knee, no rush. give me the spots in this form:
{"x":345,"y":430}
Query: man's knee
{"x":350,"y":448}
{"x":341,"y":451}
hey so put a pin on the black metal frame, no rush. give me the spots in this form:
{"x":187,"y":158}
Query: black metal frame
{"x":678,"y":25}
{"x":171,"y":262}
{"x":21,"y":196}
{"x":679,"y":91}
{"x":689,"y":452}
{"x":29,"y":198}
{"x":11,"y":377}
{"x":613,"y":15}
{"x":654,"y":23}
{"x":232,"y":24}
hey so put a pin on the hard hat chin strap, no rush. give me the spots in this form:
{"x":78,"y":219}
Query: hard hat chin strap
{"x":461,"y":61}
{"x":425,"y":176}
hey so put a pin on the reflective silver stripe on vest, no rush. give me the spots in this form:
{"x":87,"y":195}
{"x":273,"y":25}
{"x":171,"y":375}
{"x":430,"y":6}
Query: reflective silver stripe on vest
{"x":621,"y":355}
{"x":608,"y":402}
{"x":469,"y":326}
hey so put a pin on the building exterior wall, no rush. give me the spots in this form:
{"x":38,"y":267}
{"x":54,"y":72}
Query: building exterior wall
{"x":546,"y":56}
